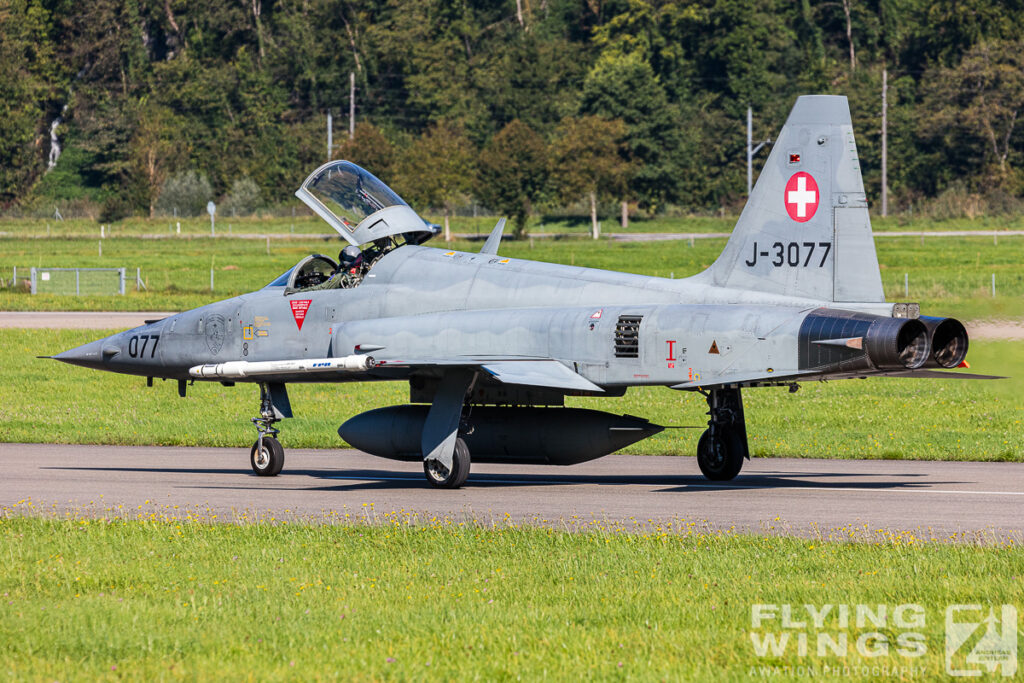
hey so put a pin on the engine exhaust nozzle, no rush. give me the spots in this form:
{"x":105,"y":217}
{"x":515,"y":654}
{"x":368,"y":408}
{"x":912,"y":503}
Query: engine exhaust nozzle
{"x":894,"y":343}
{"x":948,"y":341}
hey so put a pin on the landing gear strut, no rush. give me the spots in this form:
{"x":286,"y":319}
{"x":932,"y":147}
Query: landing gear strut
{"x":444,"y":428}
{"x":723,"y":446}
{"x":267,"y":454}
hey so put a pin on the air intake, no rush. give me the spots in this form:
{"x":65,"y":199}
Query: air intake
{"x":627,"y":336}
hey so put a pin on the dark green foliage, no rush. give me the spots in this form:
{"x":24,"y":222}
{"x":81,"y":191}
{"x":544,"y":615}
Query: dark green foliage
{"x":624,"y":87}
{"x":370,"y":148}
{"x":184,"y":194}
{"x":243,"y":199}
{"x":437,"y":170}
{"x":241,"y":89}
{"x":513,"y":172}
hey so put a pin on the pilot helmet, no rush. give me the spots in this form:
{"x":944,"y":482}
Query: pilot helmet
{"x":349,"y":256}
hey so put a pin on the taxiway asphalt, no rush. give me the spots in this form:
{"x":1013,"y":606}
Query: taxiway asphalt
{"x":772,"y":495}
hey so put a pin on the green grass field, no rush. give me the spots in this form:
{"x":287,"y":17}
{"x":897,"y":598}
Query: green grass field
{"x":159,"y":594}
{"x":305,"y":223}
{"x":46,"y":401}
{"x":950,"y":275}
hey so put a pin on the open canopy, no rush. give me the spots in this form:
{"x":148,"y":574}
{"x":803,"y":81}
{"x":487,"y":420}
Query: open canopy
{"x":358,"y":205}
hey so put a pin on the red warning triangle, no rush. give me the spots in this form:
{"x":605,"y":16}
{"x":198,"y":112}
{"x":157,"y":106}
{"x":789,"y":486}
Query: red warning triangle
{"x":714,"y":347}
{"x":299,"y":309}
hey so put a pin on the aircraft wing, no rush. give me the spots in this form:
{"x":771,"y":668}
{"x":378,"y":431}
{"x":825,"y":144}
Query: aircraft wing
{"x":535,"y":372}
{"x":542,"y":373}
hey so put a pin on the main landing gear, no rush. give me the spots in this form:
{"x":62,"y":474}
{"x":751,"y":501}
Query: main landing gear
{"x":267,"y":454}
{"x":723,"y":445}
{"x":442,"y":477}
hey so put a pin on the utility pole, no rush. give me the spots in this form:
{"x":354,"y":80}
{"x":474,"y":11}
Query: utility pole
{"x":885,"y":142}
{"x":330,"y":135}
{"x":751,"y":150}
{"x":351,"y":105}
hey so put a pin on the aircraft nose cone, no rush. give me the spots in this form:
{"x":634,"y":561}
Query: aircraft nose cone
{"x":91,"y":355}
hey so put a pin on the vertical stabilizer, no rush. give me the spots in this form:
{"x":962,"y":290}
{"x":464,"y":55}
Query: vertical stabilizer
{"x":805,"y":230}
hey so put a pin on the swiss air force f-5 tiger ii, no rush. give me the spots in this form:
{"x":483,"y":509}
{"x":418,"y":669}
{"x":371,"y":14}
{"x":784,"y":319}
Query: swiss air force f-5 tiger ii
{"x":491,"y":346}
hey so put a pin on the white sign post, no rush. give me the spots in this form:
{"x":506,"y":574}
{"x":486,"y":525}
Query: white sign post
{"x":211,"y":209}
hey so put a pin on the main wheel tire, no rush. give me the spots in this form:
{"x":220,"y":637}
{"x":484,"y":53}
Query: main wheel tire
{"x":268,"y":461}
{"x":720,"y":459}
{"x":441,"y":477}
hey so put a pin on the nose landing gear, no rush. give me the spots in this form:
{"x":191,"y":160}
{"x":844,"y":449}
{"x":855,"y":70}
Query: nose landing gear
{"x":267,"y":454}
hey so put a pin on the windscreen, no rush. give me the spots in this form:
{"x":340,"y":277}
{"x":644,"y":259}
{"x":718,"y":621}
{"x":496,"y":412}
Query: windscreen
{"x":351,"y":193}
{"x":281,"y":280}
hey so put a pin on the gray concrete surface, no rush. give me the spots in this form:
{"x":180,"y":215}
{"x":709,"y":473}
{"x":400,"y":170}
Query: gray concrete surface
{"x":64,"y":320}
{"x":805,"y":497}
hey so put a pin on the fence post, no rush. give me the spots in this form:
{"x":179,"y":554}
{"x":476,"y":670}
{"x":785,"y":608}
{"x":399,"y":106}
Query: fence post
{"x":78,"y":288}
{"x":211,"y":279}
{"x":906,"y":284}
{"x":993,"y":285}
{"x":32,"y":282}
{"x":138,"y":279}
{"x":122,"y":280}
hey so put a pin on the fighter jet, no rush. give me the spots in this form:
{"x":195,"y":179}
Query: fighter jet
{"x":490,"y":346}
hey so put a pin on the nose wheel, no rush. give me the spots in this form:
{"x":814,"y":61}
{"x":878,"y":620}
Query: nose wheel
{"x":267,"y":454}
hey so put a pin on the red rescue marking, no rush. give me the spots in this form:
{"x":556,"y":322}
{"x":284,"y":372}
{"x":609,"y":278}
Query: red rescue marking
{"x":299,"y":308}
{"x":671,"y":355}
{"x":801,"y":197}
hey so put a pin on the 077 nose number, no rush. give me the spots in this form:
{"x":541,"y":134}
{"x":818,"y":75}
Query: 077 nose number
{"x":793,"y":254}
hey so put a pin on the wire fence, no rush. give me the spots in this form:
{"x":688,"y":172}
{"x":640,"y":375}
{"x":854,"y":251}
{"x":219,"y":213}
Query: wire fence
{"x":73,"y":281}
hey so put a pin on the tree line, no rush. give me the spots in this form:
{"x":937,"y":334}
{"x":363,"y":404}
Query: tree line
{"x":516,"y":104}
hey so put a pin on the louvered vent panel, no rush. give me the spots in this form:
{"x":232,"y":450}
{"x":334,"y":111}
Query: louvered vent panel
{"x":627,"y":336}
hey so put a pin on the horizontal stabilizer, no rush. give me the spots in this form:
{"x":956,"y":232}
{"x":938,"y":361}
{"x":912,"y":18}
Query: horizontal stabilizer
{"x":741,"y":378}
{"x":939,"y":374}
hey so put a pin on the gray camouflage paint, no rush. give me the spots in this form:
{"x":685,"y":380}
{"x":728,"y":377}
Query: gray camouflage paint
{"x":427,"y":311}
